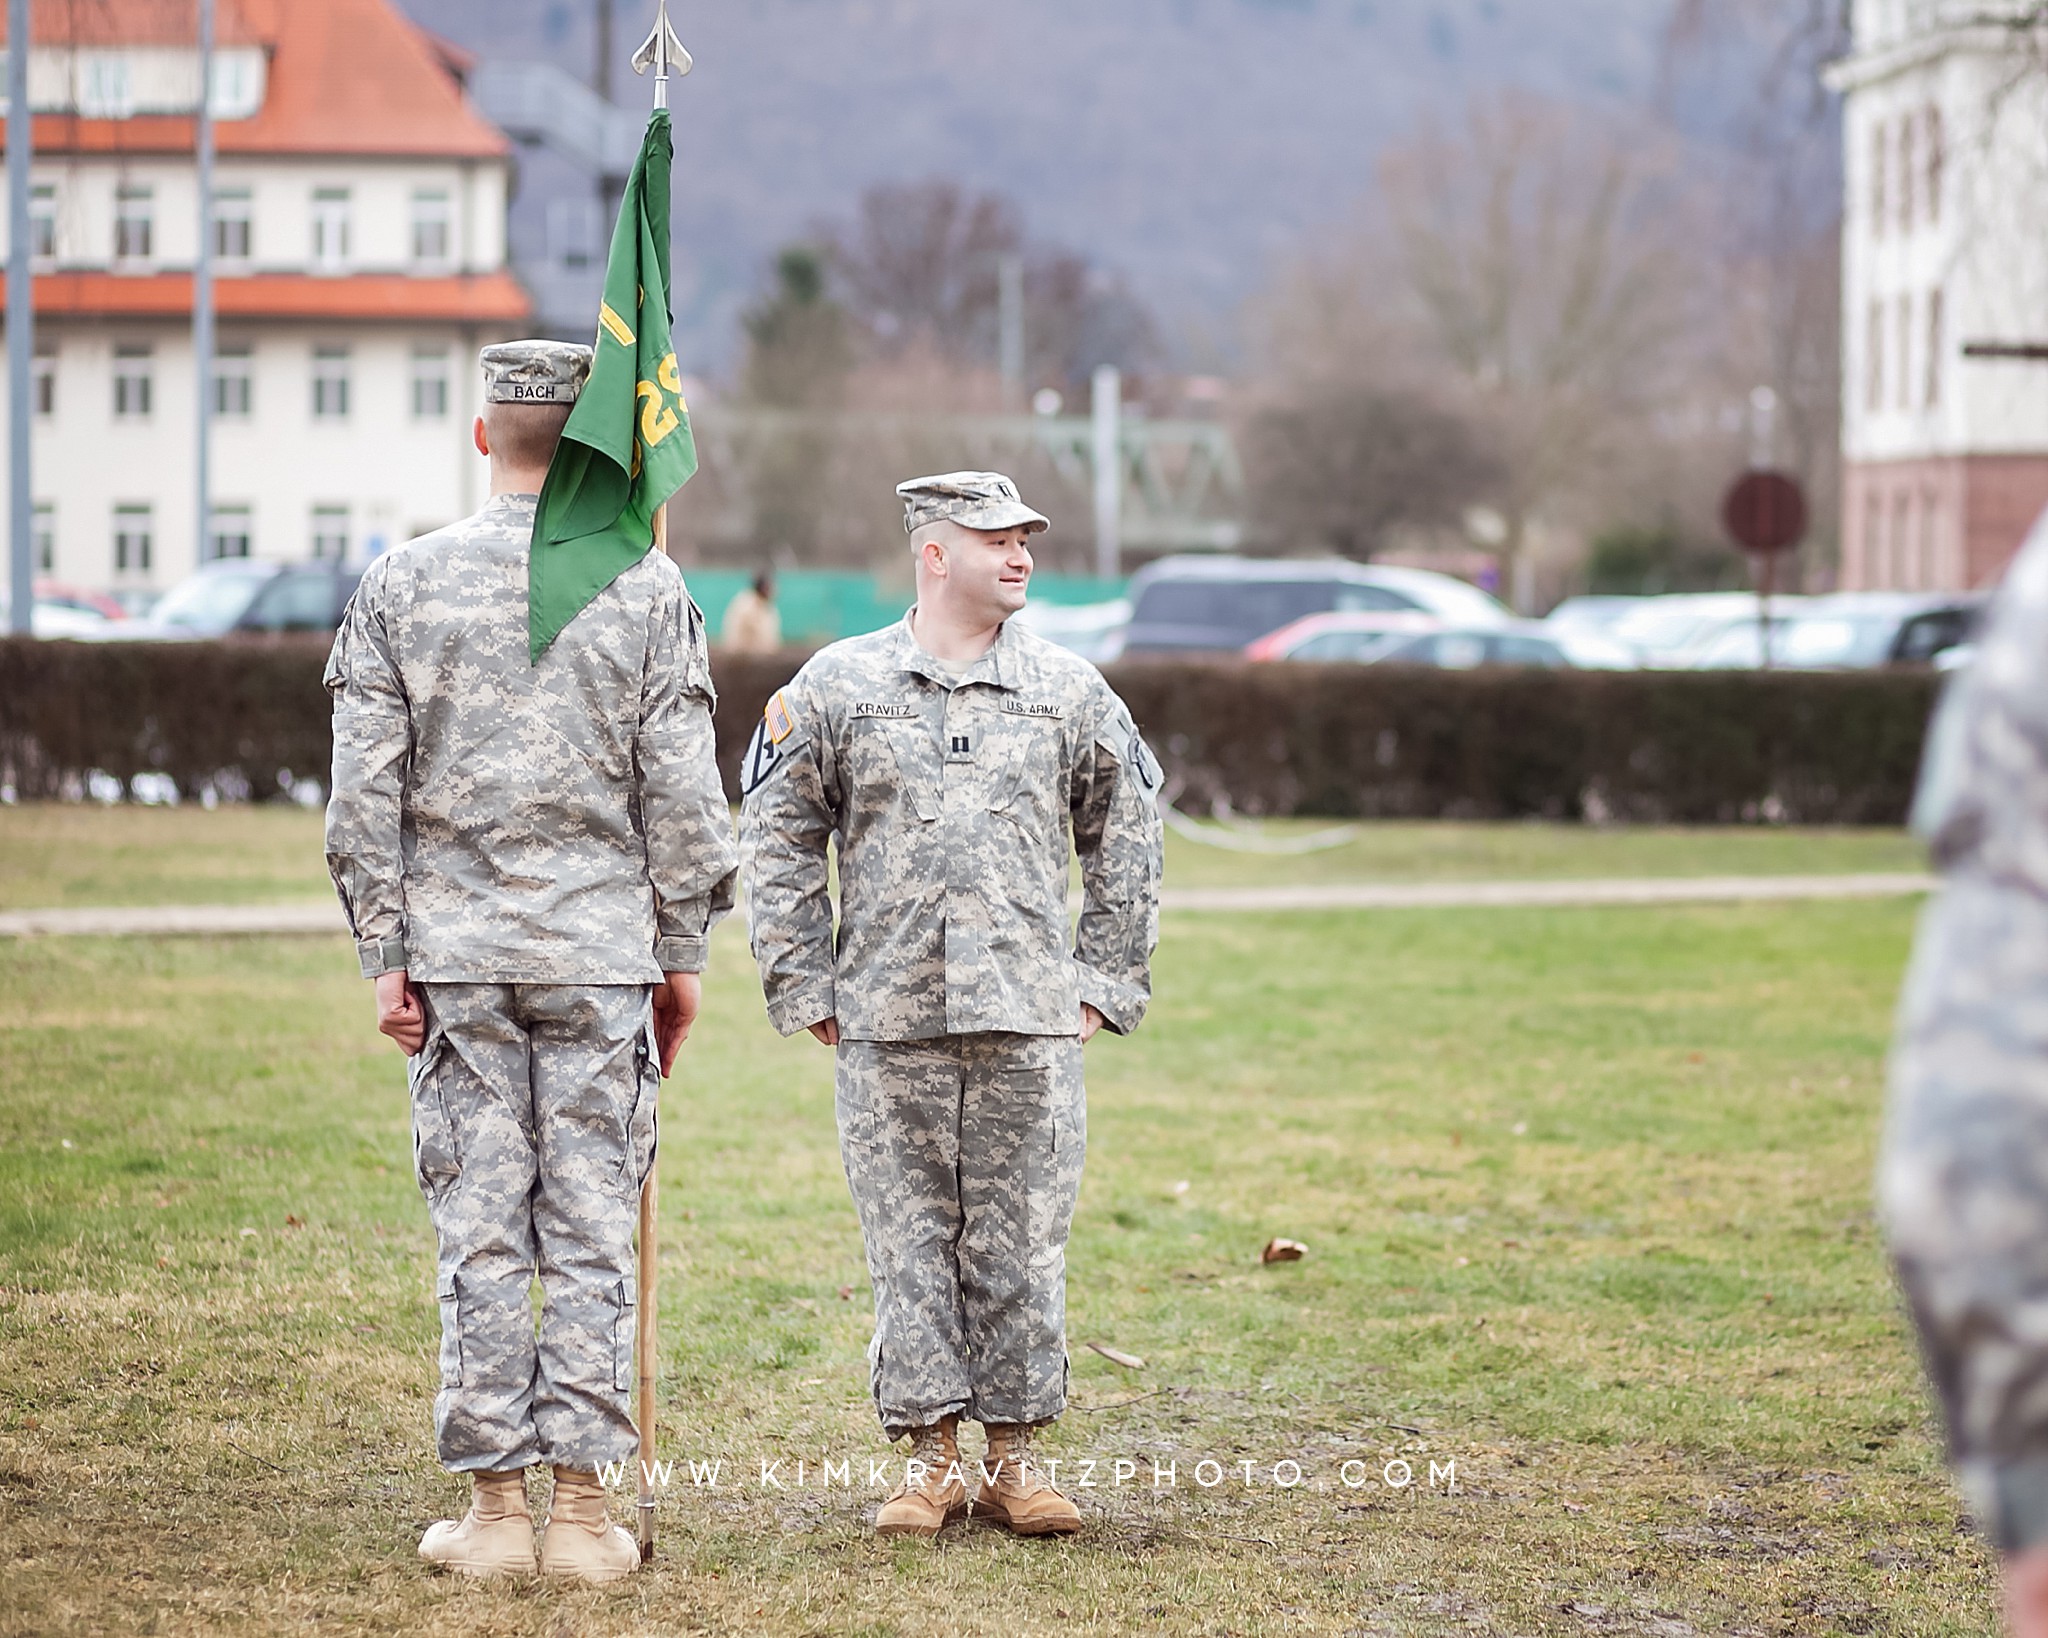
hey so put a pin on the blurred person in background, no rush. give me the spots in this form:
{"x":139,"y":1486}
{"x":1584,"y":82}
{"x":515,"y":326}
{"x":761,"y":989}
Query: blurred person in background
{"x":752,"y":625}
{"x":531,"y":854}
{"x":1964,"y":1174}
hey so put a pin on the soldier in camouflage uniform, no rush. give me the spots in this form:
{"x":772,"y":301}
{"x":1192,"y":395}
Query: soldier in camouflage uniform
{"x":532,"y":856}
{"x":1964,"y":1176}
{"x":953,"y":757}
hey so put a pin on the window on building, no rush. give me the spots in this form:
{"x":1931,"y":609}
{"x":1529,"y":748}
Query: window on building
{"x":234,"y":224}
{"x":429,"y":383}
{"x":134,"y":538}
{"x":1873,"y":361}
{"x":1937,"y":162}
{"x":330,"y":533}
{"x":106,"y":89}
{"x":43,"y":376}
{"x":43,"y":537}
{"x":575,"y":228}
{"x":330,"y":229}
{"x":1905,"y":363}
{"x":230,"y":531}
{"x":330,"y":382}
{"x":1909,"y":162}
{"x":1880,"y":156}
{"x":432,"y":233}
{"x":134,"y":377}
{"x":42,"y":221}
{"x":234,"y":379}
{"x":1935,"y":343}
{"x":134,"y":222}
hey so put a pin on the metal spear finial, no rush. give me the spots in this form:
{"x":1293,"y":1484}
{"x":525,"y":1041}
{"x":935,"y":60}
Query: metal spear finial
{"x":663,"y":52}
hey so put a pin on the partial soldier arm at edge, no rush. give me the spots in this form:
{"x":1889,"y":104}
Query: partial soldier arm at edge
{"x":692,"y":862}
{"x":786,"y":823}
{"x":365,"y":810}
{"x":1120,"y":842}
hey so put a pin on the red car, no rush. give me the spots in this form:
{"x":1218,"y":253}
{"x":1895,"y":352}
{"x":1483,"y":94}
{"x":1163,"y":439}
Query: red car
{"x":1344,"y":636}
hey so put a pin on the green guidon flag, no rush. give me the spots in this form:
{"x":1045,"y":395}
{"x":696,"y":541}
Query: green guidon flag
{"x":627,"y":446}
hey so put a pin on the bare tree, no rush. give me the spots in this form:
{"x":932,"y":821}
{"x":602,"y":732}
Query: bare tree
{"x":919,"y":267}
{"x":1341,"y":463}
{"x":1543,"y":255}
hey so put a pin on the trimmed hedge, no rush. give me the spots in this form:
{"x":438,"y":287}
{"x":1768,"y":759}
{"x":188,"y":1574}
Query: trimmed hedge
{"x":1668,"y":747}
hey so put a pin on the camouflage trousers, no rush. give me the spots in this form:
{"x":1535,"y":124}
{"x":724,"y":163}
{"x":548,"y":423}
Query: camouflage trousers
{"x":533,"y":1113}
{"x":1964,"y":1184}
{"x":964,"y":1156}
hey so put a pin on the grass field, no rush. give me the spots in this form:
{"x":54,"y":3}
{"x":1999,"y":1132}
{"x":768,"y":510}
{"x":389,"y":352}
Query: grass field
{"x":78,"y":855}
{"x":1586,"y":1195}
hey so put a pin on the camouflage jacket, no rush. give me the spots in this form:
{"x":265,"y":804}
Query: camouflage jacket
{"x":499,"y":822}
{"x":953,"y":802}
{"x":1964,"y":1175}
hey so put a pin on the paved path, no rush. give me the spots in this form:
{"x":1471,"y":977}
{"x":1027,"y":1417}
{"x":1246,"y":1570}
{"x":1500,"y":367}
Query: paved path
{"x":1483,"y":895}
{"x":164,"y":920}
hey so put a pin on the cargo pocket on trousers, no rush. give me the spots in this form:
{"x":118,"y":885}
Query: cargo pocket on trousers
{"x":643,"y":1126}
{"x":623,"y":1338}
{"x":436,"y":1160}
{"x":451,"y":1331}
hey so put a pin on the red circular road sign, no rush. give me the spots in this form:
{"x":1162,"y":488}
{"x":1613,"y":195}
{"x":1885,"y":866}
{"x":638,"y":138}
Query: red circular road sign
{"x":1765,"y":512}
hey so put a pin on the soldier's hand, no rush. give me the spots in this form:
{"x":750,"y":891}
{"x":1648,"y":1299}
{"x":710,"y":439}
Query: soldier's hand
{"x":399,"y":1013}
{"x":2026,"y":1593}
{"x":676,"y":999}
{"x":827,"y":1030}
{"x":1091,"y":1021}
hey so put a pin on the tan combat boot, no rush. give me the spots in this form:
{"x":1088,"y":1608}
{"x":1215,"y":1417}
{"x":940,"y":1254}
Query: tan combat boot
{"x":933,"y":1493}
{"x":581,"y":1541}
{"x":1013,"y":1493}
{"x":495,"y":1537}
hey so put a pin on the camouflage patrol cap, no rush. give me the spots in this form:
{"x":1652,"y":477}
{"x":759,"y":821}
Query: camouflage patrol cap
{"x":534,"y":372}
{"x":974,"y":500}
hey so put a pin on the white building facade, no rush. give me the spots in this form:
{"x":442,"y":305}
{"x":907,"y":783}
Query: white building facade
{"x":1945,"y":291}
{"x":360,"y":262}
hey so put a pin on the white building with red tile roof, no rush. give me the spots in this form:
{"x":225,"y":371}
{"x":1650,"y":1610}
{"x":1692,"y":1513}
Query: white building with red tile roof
{"x":360,"y":261}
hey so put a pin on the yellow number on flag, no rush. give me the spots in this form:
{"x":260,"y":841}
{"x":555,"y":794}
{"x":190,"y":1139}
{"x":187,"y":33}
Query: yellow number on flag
{"x":657,"y":420}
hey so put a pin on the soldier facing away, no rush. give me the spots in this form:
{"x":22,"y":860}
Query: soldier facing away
{"x":952,"y":757}
{"x":1964,"y":1176}
{"x":531,"y":856}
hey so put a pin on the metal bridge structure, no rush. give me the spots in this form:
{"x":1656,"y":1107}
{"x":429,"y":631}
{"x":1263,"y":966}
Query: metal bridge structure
{"x":1181,"y":482}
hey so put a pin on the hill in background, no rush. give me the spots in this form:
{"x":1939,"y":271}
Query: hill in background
{"x":1183,"y":144}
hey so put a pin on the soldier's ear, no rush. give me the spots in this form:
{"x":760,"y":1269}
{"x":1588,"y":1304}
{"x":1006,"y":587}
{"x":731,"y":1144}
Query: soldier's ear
{"x":483,"y":441}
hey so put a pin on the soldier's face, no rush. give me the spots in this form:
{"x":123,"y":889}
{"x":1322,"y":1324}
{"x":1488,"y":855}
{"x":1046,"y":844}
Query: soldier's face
{"x":989,"y":569}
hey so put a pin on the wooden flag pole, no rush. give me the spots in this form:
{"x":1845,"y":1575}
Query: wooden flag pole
{"x":646,"y":1346}
{"x":663,"y":53}
{"x":646,"y":1354}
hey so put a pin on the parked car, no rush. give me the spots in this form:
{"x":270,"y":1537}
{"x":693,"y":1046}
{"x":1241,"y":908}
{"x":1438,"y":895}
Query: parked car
{"x":1668,"y":632}
{"x":1092,"y":630}
{"x":1355,"y":637}
{"x":1219,"y":604}
{"x":240,"y":597}
{"x":49,"y":618}
{"x":57,"y":593}
{"x":1851,"y":631}
{"x":1523,"y":643}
